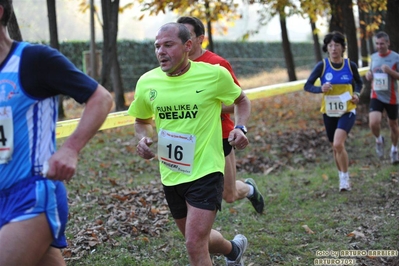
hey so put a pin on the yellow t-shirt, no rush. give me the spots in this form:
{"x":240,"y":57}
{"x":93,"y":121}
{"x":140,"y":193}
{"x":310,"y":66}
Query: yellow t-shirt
{"x":187,"y":117}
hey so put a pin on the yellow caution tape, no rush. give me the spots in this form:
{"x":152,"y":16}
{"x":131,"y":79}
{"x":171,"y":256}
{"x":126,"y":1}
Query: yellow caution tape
{"x":273,"y":90}
{"x":282,"y":88}
{"x":363,"y":70}
{"x":118,"y":119}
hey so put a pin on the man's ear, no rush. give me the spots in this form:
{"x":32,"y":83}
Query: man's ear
{"x":201,"y":38}
{"x":188,"y":45}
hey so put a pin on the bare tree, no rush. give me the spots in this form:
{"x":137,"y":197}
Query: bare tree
{"x":209,"y":26}
{"x":93,"y":54}
{"x":289,"y":59}
{"x":52,"y":23}
{"x":111,"y":67}
{"x":53,"y":29}
{"x":363,"y":37}
{"x":316,"y":43}
{"x":364,"y":52}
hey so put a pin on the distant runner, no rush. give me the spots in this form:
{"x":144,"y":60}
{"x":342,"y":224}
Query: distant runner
{"x":341,"y":86}
{"x":383,"y":75}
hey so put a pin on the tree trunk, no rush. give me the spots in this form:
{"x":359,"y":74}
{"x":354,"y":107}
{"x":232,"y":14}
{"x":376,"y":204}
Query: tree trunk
{"x":115,"y":70}
{"x":392,"y":22}
{"x":110,"y":61}
{"x":13,"y":28}
{"x":289,"y":59}
{"x":350,"y":30}
{"x":364,"y":51}
{"x":93,"y":54}
{"x":209,"y":27}
{"x":363,"y":38}
{"x":343,"y":20}
{"x":336,"y":16}
{"x":118,"y":86}
{"x":107,"y":46}
{"x":53,"y":29}
{"x":316,"y":43}
{"x":370,"y":45}
{"x":52,"y":23}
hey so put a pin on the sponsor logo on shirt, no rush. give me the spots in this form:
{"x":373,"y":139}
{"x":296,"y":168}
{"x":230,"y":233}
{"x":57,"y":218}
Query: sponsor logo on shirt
{"x":8,"y":89}
{"x":153,"y":94}
{"x":344,"y":77}
{"x":329,"y":76}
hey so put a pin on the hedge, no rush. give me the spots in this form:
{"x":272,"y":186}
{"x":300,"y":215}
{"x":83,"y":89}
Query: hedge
{"x":246,"y":58}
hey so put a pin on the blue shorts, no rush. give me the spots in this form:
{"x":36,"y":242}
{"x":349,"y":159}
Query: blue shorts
{"x":205,"y":193}
{"x":345,"y":122}
{"x":33,"y":196}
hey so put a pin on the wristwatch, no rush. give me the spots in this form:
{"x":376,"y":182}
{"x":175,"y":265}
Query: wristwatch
{"x":243,"y":128}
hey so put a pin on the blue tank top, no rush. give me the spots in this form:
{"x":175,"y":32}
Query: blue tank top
{"x":341,"y":80}
{"x":25,"y":124}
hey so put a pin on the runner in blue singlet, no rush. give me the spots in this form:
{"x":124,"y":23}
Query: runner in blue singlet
{"x":33,"y":208}
{"x":340,"y":86}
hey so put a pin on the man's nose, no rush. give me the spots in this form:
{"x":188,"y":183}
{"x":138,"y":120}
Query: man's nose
{"x":160,"y":50}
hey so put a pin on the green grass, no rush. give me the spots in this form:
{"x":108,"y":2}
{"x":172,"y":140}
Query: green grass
{"x":292,"y":166}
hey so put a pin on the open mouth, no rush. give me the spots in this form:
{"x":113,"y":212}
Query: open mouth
{"x":163,"y":61}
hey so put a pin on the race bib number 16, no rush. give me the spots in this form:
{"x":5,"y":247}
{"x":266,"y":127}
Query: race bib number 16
{"x":176,"y":151}
{"x":6,"y":134}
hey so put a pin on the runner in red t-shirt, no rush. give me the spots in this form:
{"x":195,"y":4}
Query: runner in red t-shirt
{"x":233,"y":189}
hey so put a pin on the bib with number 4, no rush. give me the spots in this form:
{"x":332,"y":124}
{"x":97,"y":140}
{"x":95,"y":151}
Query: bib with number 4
{"x":176,"y":151}
{"x":6,"y":134}
{"x":380,"y":81}
{"x":334,"y":106}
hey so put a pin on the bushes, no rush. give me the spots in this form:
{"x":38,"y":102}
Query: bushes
{"x":246,"y":58}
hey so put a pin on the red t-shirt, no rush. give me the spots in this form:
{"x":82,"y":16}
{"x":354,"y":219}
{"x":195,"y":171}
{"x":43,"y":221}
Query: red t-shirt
{"x":214,"y":59}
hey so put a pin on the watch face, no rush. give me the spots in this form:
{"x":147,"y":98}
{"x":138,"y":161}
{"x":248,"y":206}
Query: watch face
{"x":243,"y":128}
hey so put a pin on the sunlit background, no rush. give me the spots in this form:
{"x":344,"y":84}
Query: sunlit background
{"x":74,"y":25}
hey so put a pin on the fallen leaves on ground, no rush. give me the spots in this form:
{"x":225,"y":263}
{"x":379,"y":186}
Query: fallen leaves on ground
{"x":283,"y":134}
{"x":139,"y":212}
{"x":307,"y":229}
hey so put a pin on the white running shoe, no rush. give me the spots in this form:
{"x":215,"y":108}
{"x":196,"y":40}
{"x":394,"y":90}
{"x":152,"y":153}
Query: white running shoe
{"x":379,"y":148}
{"x":344,"y":183}
{"x":242,"y":243}
{"x":394,"y":157}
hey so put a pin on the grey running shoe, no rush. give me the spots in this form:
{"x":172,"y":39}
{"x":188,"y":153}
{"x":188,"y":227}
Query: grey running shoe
{"x":344,"y":183}
{"x":256,"y":199}
{"x":394,"y":157}
{"x":242,"y":243}
{"x":379,"y":148}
